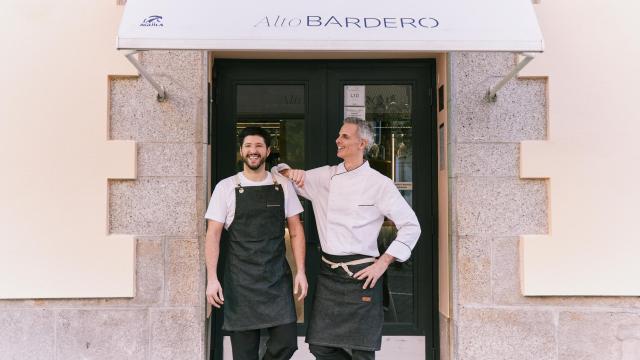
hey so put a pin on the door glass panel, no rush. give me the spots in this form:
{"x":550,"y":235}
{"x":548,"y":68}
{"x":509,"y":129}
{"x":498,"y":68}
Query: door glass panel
{"x":279,"y":109}
{"x":270,"y":100}
{"x":387,"y":108}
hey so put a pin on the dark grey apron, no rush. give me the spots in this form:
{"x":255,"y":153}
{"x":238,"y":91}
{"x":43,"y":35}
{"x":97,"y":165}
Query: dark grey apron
{"x":258,"y":285}
{"x":344,"y":315}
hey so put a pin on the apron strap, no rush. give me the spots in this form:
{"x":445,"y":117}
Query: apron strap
{"x":238,"y":184}
{"x":345,"y":265}
{"x":275,"y":182}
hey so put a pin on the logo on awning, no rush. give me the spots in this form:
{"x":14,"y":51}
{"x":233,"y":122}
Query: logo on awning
{"x":348,"y":22}
{"x":153,"y":20}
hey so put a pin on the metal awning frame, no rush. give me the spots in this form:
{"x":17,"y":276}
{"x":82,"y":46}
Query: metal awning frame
{"x":491,"y":95}
{"x":162,"y":95}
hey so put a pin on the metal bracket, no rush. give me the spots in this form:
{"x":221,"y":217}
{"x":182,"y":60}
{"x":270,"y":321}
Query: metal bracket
{"x":492,"y":93}
{"x":162,"y":96}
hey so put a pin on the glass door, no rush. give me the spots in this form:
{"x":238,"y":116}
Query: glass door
{"x":302,"y":104}
{"x":394,"y":98}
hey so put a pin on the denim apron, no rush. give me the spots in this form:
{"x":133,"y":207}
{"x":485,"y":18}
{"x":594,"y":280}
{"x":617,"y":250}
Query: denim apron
{"x":258,"y":284}
{"x":345,"y":315}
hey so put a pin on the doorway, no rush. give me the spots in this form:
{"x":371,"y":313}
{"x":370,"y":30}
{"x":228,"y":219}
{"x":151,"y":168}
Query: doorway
{"x":302,"y":104}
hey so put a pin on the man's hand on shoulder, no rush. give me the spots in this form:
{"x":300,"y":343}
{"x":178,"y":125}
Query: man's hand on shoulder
{"x":295,"y":175}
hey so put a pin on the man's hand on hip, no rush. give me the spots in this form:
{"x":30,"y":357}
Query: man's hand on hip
{"x":373,"y":272}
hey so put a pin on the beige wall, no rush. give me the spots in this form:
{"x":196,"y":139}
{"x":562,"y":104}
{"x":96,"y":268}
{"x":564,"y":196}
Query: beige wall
{"x":591,"y":157}
{"x":55,"y":154}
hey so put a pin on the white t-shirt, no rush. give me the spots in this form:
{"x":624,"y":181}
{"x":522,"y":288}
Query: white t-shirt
{"x":222,"y":207}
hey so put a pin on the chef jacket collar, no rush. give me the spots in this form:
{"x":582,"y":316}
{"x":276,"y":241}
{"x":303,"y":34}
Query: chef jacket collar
{"x":342,"y":170}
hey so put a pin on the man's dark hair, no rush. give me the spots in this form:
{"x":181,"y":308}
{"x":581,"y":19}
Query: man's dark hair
{"x":255,"y":130}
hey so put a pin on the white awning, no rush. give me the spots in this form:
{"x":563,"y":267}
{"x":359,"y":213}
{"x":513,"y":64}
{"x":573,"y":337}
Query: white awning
{"x":331,"y":25}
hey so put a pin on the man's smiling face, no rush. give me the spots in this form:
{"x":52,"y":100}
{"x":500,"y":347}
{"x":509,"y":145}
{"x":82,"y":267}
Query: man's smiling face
{"x":349,"y":143}
{"x":254,"y":152}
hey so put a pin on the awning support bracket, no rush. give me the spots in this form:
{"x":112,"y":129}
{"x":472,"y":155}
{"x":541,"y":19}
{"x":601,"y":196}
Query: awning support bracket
{"x":162,"y":95}
{"x":492,"y":93}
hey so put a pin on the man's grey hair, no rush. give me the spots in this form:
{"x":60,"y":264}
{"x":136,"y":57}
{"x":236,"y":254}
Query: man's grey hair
{"x":364,"y":130}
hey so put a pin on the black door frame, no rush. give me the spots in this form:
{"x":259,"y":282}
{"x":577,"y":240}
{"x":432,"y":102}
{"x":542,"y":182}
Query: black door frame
{"x":324,"y":81}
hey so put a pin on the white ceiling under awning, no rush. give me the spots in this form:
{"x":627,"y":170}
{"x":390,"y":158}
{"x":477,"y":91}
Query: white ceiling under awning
{"x":331,"y":25}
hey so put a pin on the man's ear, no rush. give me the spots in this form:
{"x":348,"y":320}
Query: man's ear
{"x":268,"y":151}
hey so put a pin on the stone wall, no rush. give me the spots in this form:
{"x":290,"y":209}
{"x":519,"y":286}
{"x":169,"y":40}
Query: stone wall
{"x":491,"y":206}
{"x":163,"y":207}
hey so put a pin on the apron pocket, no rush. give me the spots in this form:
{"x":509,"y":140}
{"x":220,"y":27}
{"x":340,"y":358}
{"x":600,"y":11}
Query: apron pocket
{"x":362,"y":296}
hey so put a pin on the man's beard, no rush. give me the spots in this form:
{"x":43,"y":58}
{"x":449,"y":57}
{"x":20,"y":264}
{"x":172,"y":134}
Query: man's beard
{"x":252,"y":167}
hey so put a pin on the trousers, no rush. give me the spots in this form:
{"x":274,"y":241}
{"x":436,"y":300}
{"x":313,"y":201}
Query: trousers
{"x":282,"y":343}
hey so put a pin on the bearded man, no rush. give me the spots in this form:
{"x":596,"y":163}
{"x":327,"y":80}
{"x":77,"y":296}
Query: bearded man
{"x":253,"y":206}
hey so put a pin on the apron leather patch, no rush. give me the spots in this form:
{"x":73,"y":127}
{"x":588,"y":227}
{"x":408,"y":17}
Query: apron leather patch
{"x":366,"y":298}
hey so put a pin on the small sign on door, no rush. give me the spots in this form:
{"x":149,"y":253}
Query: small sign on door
{"x":354,"y":95}
{"x":355,"y":112}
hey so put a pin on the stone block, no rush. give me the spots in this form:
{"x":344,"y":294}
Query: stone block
{"x":135,"y":114}
{"x":519,"y":114}
{"x":498,"y":334}
{"x":599,"y":336}
{"x":486,"y":160}
{"x":27,"y":334}
{"x":168,"y":159}
{"x":474,"y":270}
{"x":102,"y":334}
{"x":202,"y":196}
{"x":500,"y":206}
{"x":182,"y":68}
{"x":472,"y":65}
{"x":177,"y":334}
{"x":183,"y":273}
{"x":153,"y":206}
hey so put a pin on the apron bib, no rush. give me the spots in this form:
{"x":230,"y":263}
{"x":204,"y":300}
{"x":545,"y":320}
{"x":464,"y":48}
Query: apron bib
{"x":258,"y":284}
{"x":344,"y":314}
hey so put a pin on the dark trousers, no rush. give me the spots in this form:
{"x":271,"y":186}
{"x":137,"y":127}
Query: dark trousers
{"x":332,"y":353}
{"x":282,"y":343}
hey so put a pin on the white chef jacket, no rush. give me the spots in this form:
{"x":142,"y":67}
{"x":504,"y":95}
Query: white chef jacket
{"x":350,"y":207}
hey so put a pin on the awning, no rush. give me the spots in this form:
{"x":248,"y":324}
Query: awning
{"x":331,"y":25}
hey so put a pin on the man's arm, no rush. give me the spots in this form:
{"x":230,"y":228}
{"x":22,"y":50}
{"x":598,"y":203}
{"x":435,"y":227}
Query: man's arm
{"x":211,"y":254}
{"x":308,"y":184}
{"x":396,"y":208}
{"x":298,"y":247}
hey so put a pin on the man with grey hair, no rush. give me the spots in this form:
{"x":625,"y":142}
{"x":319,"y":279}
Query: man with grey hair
{"x":350,"y":202}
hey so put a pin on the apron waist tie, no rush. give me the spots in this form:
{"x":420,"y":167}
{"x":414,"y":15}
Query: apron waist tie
{"x":345,"y":265}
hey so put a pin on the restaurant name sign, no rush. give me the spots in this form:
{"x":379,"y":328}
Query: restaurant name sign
{"x":348,"y":22}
